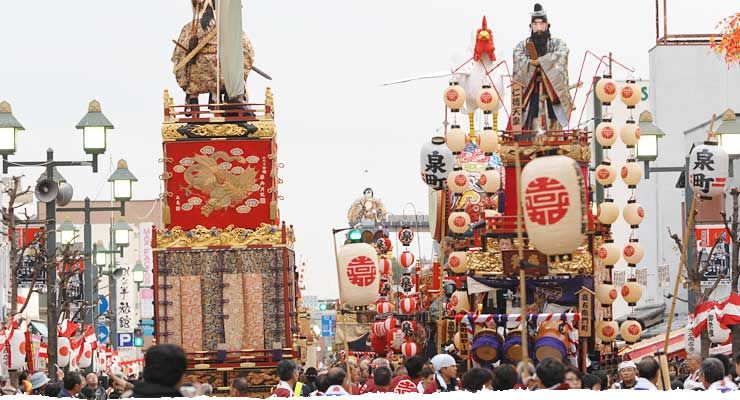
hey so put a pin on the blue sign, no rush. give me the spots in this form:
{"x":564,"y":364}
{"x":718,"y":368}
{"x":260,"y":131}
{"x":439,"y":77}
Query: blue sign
{"x":126,"y":339}
{"x":327,"y":325}
{"x":102,"y":305}
{"x":103,"y":333}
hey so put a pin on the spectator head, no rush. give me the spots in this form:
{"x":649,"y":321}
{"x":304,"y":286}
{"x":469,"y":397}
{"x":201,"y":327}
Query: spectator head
{"x":240,"y":387}
{"x":413,"y":366}
{"x":380,"y":362}
{"x":445,"y":365}
{"x":322,"y":382}
{"x":311,"y":373}
{"x":287,"y":371}
{"x":591,"y":382}
{"x":91,"y":381}
{"x":712,"y":371}
{"x":604,"y":379}
{"x":382,"y":377}
{"x":726,"y":362}
{"x":164,"y":364}
{"x":336,"y":376}
{"x":477,"y":379}
{"x":573,"y":377}
{"x":400,"y":371}
{"x":648,"y":368}
{"x":73,"y":382}
{"x":426,"y":372}
{"x":505,"y":377}
{"x":551,"y":372}
{"x":693,"y":362}
{"x":628,"y":372}
{"x":39,"y":380}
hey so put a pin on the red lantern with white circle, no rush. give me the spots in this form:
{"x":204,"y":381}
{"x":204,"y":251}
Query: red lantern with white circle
{"x":607,"y":331}
{"x":631,"y":331}
{"x":454,"y":96}
{"x":378,"y":329}
{"x":606,"y":90}
{"x":490,"y":180}
{"x":609,"y":253}
{"x":384,"y":307}
{"x":455,"y":139}
{"x":459,"y":222}
{"x":553,"y":201}
{"x":409,"y":348}
{"x":17,"y":350}
{"x":633,"y":252}
{"x":389,"y":324}
{"x":631,"y":173}
{"x":407,"y":259}
{"x":384,"y":265}
{"x":631,"y":292}
{"x":358,"y":274}
{"x":487,"y":99}
{"x":608,"y":212}
{"x":606,"y":293}
{"x":64,"y":351}
{"x":86,"y":356}
{"x":407,"y":305}
{"x":630,"y":94}
{"x":606,"y":133}
{"x":458,"y":262}
{"x":708,"y":170}
{"x":457,"y":181}
{"x":606,"y":174}
{"x":489,"y":140}
{"x":633,"y":213}
{"x":630,"y":134}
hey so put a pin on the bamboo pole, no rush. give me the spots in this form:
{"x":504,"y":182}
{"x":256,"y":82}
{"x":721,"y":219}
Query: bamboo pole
{"x":522,"y":275}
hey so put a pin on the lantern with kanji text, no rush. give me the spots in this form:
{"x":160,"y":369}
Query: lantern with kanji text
{"x":708,"y":170}
{"x":631,"y":292}
{"x":633,"y":213}
{"x":458,"y":262}
{"x":459,"y":222}
{"x":718,"y":332}
{"x":631,"y":331}
{"x":606,"y":174}
{"x":454,"y":97}
{"x":633,"y":252}
{"x":630,"y":94}
{"x":631,"y":173}
{"x":609,"y":253}
{"x":606,"y":293}
{"x":358,"y":274}
{"x":606,"y":90}
{"x":458,"y":181}
{"x":607,"y":331}
{"x":405,"y":236}
{"x":436,"y":163}
{"x":606,"y":133}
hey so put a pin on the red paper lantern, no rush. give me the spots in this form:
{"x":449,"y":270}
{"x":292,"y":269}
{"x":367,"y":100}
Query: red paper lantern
{"x":378,"y":344}
{"x":384,"y":265}
{"x":408,"y":305}
{"x":407,"y":259}
{"x":389,"y":323}
{"x":409,"y":348}
{"x":384,"y":307}
{"x":378,"y":329}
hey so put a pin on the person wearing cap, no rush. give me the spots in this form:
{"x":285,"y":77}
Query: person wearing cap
{"x":627,"y":375}
{"x":40,"y":385}
{"x":445,"y":369}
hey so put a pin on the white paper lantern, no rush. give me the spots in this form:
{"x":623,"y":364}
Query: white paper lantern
{"x":454,"y":96}
{"x":608,"y":212}
{"x":459,"y":222}
{"x":490,"y":180}
{"x":384,"y":307}
{"x":708,"y":170}
{"x":459,"y":301}
{"x":631,"y":173}
{"x":630,"y":94}
{"x":606,"y":174}
{"x":86,"y":357}
{"x":606,"y":293}
{"x":487,"y":99}
{"x":631,"y":292}
{"x":607,"y":331}
{"x":455,"y":139}
{"x":458,"y":181}
{"x":458,"y":262}
{"x":358,"y":274}
{"x":384,"y":266}
{"x":630,"y":134}
{"x":489,"y":140}
{"x":633,"y":252}
{"x":606,"y":133}
{"x":407,"y":305}
{"x":64,"y":351}
{"x":609,"y":253}
{"x":633,"y":213}
{"x":606,"y":90}
{"x":553,"y":201}
{"x":436,"y":162}
{"x":17,"y":350}
{"x":718,"y":333}
{"x":409,"y":349}
{"x":631,"y":331}
{"x":691,"y":343}
{"x":407,"y":259}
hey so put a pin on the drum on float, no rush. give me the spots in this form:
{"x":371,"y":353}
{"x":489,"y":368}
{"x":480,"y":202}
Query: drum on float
{"x":512,"y":347}
{"x":551,"y":342}
{"x":486,"y":346}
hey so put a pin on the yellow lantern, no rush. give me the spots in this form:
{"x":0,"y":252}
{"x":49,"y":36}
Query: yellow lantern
{"x":606,"y":90}
{"x":490,"y":181}
{"x":631,"y":173}
{"x":633,"y":213}
{"x":454,"y":96}
{"x":606,"y":133}
{"x":630,"y":94}
{"x":608,"y":212}
{"x":630,"y":134}
{"x":606,"y":293}
{"x":609,"y":253}
{"x":458,"y":262}
{"x":457,"y":181}
{"x":606,"y":174}
{"x":489,"y":140}
{"x":633,"y":252}
{"x":487,"y":99}
{"x":554,"y":205}
{"x":459,"y":222}
{"x":459,"y":301}
{"x":631,"y":331}
{"x":631,"y":292}
{"x":358,"y":274}
{"x":607,"y":331}
{"x":455,"y":139}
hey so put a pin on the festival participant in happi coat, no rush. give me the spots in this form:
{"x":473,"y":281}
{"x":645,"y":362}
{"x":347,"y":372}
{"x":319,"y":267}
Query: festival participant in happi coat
{"x":337,"y":382}
{"x":648,"y":369}
{"x":713,"y":375}
{"x":627,"y":375}
{"x":445,"y":369}
{"x":408,"y":382}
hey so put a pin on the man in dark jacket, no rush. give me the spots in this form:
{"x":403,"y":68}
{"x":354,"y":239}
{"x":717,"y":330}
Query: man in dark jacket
{"x":92,"y":390}
{"x":73,"y":385}
{"x":164,"y":366}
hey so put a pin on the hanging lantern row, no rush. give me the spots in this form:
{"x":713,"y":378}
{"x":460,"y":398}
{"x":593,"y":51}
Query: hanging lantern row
{"x":606,"y":91}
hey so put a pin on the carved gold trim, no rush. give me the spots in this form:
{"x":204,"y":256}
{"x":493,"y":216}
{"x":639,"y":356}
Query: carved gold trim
{"x":491,"y":263}
{"x":230,"y":236}
{"x":265,"y":129}
{"x":169,"y":132}
{"x":578,"y":152}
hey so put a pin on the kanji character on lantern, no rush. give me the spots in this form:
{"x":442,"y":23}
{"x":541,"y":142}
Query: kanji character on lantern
{"x":358,"y":274}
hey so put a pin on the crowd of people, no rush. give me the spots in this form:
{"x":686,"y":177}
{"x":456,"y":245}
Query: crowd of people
{"x":165,"y":367}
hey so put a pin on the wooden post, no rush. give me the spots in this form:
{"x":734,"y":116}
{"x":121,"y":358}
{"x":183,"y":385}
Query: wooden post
{"x":585,"y":302}
{"x":522,"y":274}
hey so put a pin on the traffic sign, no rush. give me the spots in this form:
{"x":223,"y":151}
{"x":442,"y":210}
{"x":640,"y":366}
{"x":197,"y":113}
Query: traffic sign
{"x":327,"y":325}
{"x":103,"y":333}
{"x":125,"y":339}
{"x":102,"y":305}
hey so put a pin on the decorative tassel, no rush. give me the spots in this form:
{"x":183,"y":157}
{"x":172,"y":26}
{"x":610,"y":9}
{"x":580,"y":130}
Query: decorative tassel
{"x":495,"y":121}
{"x":471,"y":134}
{"x":166,"y":217}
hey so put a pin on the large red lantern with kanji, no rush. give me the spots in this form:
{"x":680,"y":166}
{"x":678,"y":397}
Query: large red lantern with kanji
{"x":708,"y":170}
{"x":407,"y":305}
{"x":358,"y":274}
{"x":553,"y":201}
{"x":407,"y":259}
{"x":409,"y":348}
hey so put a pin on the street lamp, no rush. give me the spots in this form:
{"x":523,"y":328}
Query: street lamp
{"x":647,"y":146}
{"x":68,"y":232}
{"x":101,"y":254}
{"x":9,"y":127}
{"x":94,"y":127}
{"x":121,"y":232}
{"x":122,"y":180}
{"x":138,"y":273}
{"x":728,"y":133}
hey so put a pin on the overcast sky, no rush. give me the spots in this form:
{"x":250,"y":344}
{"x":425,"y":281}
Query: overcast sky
{"x":339,"y":131}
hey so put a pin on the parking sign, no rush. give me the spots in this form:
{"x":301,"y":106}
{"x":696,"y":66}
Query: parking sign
{"x":125,"y":339}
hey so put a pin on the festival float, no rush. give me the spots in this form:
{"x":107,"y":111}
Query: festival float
{"x":226,"y":289}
